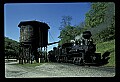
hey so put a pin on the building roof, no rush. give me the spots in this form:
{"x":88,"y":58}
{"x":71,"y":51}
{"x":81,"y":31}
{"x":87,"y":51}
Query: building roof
{"x":34,"y":23}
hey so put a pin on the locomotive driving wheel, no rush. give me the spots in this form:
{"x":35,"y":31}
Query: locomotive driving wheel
{"x":74,"y":60}
{"x":81,"y":62}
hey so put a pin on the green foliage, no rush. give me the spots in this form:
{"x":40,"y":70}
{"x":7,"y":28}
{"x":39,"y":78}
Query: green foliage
{"x":96,"y":15}
{"x":11,"y":48}
{"x":110,"y":47}
{"x":69,"y":32}
{"x":106,"y":34}
{"x":104,"y":30}
{"x":66,"y":34}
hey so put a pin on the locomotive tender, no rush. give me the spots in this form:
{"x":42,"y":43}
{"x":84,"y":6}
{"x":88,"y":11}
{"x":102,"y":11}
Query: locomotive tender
{"x":80,"y":51}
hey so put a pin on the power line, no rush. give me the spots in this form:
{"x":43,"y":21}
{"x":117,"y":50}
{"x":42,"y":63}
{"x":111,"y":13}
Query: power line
{"x":51,"y":36}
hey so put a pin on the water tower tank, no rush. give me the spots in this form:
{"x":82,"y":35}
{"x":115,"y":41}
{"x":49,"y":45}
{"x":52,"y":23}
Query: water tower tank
{"x":34,"y":32}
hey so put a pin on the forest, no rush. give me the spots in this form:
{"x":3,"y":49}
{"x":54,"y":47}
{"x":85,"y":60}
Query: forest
{"x":11,"y":48}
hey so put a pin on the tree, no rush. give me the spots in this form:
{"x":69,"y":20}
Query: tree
{"x":107,"y":27}
{"x":66,"y":21}
{"x":67,"y":34}
{"x":106,"y":34}
{"x":96,"y":15}
{"x":66,"y":29}
{"x":11,"y":48}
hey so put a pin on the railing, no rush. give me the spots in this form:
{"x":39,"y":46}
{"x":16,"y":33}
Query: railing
{"x":10,"y":60}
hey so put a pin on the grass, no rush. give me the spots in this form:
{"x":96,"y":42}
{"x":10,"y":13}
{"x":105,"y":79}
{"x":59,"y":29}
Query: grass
{"x":110,"y":47}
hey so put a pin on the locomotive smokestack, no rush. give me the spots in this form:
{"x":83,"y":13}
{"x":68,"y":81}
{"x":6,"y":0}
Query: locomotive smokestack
{"x":87,"y":34}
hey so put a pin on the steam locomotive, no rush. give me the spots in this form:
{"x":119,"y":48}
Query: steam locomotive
{"x":81,"y":51}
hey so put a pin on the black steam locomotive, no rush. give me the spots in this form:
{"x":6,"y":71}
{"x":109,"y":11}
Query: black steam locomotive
{"x":80,"y":51}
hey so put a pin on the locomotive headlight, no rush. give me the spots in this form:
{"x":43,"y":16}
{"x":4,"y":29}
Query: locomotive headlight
{"x":77,"y":50}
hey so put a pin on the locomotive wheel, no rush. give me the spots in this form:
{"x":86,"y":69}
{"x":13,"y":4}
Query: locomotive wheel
{"x":81,"y":62}
{"x":58,"y":60}
{"x":66,"y":59}
{"x":74,"y":60}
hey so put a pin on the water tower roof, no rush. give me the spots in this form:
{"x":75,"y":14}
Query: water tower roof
{"x":34,"y":24}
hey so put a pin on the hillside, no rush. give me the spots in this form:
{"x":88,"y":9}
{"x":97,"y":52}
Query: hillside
{"x":11,"y":47}
{"x":110,"y":47}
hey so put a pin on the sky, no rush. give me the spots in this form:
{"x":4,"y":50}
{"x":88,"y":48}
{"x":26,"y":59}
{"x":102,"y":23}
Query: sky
{"x":50,"y":13}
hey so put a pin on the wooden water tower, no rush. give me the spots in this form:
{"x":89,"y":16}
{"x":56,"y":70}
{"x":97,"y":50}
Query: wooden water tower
{"x":33,"y":36}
